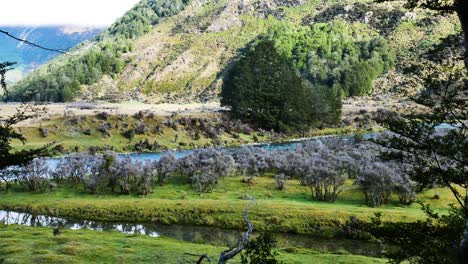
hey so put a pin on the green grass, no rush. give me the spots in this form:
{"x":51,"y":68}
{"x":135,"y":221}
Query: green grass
{"x":20,"y":244}
{"x":72,"y":136}
{"x":292,"y":210}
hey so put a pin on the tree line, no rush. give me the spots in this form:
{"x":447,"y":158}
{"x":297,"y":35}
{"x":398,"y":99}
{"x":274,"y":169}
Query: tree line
{"x":322,"y":165}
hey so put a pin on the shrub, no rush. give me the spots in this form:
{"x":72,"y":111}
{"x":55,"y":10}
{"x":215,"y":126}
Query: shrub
{"x":204,"y":168}
{"x":129,"y":134}
{"x":260,"y":251}
{"x":165,"y":167}
{"x":35,"y":175}
{"x":377,"y":181}
{"x":281,"y":181}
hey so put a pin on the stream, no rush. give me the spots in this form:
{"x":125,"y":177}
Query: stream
{"x":193,"y":234}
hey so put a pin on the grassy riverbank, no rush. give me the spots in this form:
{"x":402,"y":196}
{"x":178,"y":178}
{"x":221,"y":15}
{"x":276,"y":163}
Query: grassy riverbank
{"x":149,"y":133}
{"x":84,"y":246}
{"x":176,"y":203}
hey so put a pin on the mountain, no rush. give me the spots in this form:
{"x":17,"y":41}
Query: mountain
{"x":30,"y":58}
{"x":179,"y":51}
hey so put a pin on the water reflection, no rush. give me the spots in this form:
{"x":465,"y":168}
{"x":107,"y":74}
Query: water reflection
{"x":194,"y":234}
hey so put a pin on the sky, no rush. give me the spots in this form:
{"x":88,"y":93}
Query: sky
{"x":62,"y":12}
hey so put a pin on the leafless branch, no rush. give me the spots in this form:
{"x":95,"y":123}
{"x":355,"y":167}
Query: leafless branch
{"x":202,"y":258}
{"x":31,"y":43}
{"x":234,"y":251}
{"x":241,"y":243}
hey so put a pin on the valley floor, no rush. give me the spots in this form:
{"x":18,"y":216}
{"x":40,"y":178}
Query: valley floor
{"x":290,"y":211}
{"x":55,"y":110}
{"x":108,"y":247}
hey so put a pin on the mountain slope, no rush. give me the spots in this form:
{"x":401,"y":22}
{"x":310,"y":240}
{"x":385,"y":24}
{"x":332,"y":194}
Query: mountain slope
{"x":183,"y":56}
{"x":29,"y":58}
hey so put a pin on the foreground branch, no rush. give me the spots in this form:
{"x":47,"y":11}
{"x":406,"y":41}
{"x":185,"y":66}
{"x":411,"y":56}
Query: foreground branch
{"x":242,"y":242}
{"x":202,"y":258}
{"x":31,"y":43}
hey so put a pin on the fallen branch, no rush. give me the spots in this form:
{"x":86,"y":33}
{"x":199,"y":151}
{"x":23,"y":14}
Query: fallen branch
{"x":242,"y":242}
{"x":204,"y":257}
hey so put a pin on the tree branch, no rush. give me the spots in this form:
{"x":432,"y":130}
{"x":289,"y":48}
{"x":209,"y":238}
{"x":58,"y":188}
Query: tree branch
{"x":32,"y":44}
{"x":234,"y":251}
{"x":241,"y":243}
{"x":202,"y":258}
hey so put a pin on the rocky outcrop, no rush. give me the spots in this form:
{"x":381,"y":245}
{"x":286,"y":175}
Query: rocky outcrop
{"x":383,"y":17}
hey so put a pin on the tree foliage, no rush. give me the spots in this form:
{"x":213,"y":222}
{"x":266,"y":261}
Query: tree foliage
{"x":434,"y":144}
{"x":4,"y":68}
{"x":460,"y":7}
{"x":9,"y":157}
{"x":430,"y":241}
{"x":264,"y":88}
{"x":334,"y":55}
{"x":260,"y":251}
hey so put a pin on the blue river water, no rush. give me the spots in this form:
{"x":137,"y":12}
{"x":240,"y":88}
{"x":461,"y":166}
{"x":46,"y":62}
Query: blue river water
{"x":284,"y":146}
{"x":288,"y":145}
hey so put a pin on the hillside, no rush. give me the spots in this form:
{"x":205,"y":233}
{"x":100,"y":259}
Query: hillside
{"x":178,"y":51}
{"x":29,"y":58}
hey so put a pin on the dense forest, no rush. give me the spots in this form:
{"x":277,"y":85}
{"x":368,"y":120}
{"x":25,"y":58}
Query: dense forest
{"x":296,"y":76}
{"x":335,"y":54}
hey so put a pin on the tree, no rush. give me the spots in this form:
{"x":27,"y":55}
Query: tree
{"x":165,"y":168}
{"x":35,"y":175}
{"x":10,"y":157}
{"x":205,"y":168}
{"x":336,"y":58}
{"x":4,"y":68}
{"x":435,"y":145}
{"x":263,"y":88}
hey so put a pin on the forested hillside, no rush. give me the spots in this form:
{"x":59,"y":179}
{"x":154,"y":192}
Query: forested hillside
{"x":29,"y":58}
{"x":180,"y":51}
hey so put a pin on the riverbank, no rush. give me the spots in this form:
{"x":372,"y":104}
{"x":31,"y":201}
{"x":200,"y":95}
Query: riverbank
{"x":146,"y":132}
{"x":109,"y":247}
{"x":290,"y":211}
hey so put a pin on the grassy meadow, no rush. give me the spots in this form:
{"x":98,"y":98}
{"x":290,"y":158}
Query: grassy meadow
{"x":291,"y":211}
{"x":108,"y":247}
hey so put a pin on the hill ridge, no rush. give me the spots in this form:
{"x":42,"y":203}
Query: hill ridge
{"x":182,"y":55}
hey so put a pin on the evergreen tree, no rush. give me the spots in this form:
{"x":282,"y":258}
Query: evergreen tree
{"x":264,"y":88}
